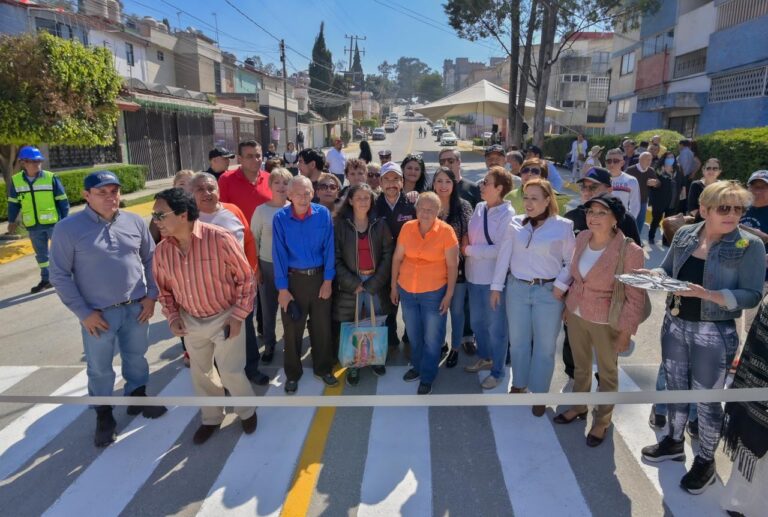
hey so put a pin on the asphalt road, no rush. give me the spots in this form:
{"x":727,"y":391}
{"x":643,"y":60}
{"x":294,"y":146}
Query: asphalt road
{"x":350,"y":461}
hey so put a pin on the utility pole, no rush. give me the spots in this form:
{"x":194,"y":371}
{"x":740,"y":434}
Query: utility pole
{"x":353,"y":39}
{"x":216,"y":22}
{"x":285,"y":93}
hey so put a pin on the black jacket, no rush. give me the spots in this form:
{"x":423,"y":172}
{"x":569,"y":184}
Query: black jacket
{"x":469,"y":191}
{"x":403,"y":212}
{"x":665,"y":196}
{"x":579,"y":217}
{"x":347,"y":278}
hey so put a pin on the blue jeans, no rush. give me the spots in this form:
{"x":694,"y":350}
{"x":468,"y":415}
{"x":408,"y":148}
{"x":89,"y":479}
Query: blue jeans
{"x":457,"y":314}
{"x":641,"y":218}
{"x":534,"y":317}
{"x":426,"y":329}
{"x":40,"y":237}
{"x":490,"y":326}
{"x":131,"y":339}
{"x":661,"y":385}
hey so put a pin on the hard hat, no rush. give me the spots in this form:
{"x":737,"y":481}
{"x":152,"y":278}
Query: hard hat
{"x":31,"y":153}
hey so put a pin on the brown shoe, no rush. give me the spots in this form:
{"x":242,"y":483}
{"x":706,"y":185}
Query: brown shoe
{"x":517,"y":390}
{"x":249,"y":424}
{"x":203,"y":433}
{"x":538,"y":410}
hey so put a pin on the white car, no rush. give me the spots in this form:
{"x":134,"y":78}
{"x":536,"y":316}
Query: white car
{"x":389,"y":127}
{"x":448,"y":138}
{"x":379,"y":134}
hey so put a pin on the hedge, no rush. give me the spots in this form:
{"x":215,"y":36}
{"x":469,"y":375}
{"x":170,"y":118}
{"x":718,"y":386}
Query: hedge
{"x":132,"y":178}
{"x":557,"y":147}
{"x":740,"y":151}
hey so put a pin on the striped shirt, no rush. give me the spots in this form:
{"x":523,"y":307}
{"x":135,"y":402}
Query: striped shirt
{"x":213,"y":276}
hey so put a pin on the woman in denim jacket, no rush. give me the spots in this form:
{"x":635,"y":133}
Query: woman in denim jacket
{"x":723,"y":267}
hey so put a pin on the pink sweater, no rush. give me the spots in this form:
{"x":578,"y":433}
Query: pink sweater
{"x":592,"y":294}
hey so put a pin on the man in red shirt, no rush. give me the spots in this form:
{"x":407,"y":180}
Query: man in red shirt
{"x":248,"y":185}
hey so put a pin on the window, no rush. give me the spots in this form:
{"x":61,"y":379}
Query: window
{"x":598,"y":89}
{"x":622,"y":109}
{"x":684,"y":125}
{"x":573,"y":78}
{"x":658,"y":43}
{"x":628,"y":63}
{"x":217,"y":76}
{"x":734,"y":12}
{"x":573,"y":104}
{"x":691,"y":63}
{"x":61,"y":30}
{"x":601,"y":62}
{"x":129,"y":54}
{"x":160,"y":55}
{"x":744,"y":84}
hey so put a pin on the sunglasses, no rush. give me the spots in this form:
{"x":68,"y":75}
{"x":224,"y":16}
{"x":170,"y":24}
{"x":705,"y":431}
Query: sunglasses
{"x":159,"y":216}
{"x":614,"y":160}
{"x":530,"y":170}
{"x":590,"y":188}
{"x":327,"y":186}
{"x":373,"y":175}
{"x":726,"y":209}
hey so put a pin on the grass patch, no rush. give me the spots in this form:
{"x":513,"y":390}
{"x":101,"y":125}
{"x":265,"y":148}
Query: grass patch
{"x":138,"y":201}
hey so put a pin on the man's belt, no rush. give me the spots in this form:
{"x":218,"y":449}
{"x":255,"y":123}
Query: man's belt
{"x":536,"y":281}
{"x":129,"y":302}
{"x":366,"y":271}
{"x":306,"y":272}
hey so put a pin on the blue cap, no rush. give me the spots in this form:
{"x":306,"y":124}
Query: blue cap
{"x":598,"y":175}
{"x":30,"y":153}
{"x":100,"y":179}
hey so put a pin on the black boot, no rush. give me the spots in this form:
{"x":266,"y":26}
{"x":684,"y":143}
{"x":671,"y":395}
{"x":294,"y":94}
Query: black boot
{"x":146,"y":411}
{"x":43,"y":285}
{"x":105,"y":426}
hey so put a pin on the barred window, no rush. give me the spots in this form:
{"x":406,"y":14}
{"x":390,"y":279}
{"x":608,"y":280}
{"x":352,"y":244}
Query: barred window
{"x":598,"y":88}
{"x":691,"y":63}
{"x":735,"y":12}
{"x":744,"y":84}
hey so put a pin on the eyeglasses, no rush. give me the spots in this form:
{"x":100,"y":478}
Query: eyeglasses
{"x":373,"y":174}
{"x":590,"y":188}
{"x":159,"y":216}
{"x":530,"y":170}
{"x":614,"y":160}
{"x":327,"y":186}
{"x":726,"y":209}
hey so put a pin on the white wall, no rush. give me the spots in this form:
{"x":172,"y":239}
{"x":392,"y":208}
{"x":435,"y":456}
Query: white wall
{"x":693,"y":29}
{"x":116,"y":45}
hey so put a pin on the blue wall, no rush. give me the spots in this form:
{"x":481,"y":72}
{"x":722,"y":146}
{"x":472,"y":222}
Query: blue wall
{"x":737,"y":46}
{"x":663,"y":19}
{"x":728,"y":115}
{"x":643,"y":120}
{"x":13,"y":20}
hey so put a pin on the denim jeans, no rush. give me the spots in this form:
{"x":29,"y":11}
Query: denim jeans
{"x":534,"y":317}
{"x":131,"y":339}
{"x":641,"y":216}
{"x":457,"y":314}
{"x":426,"y":329}
{"x":40,"y":237}
{"x":491,"y":331}
{"x":268,"y":301}
{"x":696,"y":356}
{"x":661,"y":385}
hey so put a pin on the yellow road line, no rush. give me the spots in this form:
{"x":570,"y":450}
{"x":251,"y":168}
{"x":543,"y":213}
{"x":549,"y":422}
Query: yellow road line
{"x":14,"y":250}
{"x":310,"y":462}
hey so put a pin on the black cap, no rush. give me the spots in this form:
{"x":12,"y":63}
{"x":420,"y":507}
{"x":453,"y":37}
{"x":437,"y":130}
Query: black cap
{"x":598,"y":175}
{"x":610,"y":202}
{"x":495,"y":148}
{"x":534,"y":149}
{"x":220,"y":151}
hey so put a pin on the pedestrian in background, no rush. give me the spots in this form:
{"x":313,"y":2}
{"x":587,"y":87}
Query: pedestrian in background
{"x":578,"y":155}
{"x":275,"y":134}
{"x":537,"y":252}
{"x":101,"y":267}
{"x":643,"y":173}
{"x":710,"y":173}
{"x":40,"y":198}
{"x":487,"y":229}
{"x":590,"y":331}
{"x":624,"y":186}
{"x":630,"y":154}
{"x":414,"y":174}
{"x":300,"y":140}
{"x":593,"y":160}
{"x":291,"y":159}
{"x":336,"y":159}
{"x":206,"y":290}
{"x":365,"y":152}
{"x":218,"y":160}
{"x":664,"y":194}
{"x":304,"y":265}
{"x":424,"y":269}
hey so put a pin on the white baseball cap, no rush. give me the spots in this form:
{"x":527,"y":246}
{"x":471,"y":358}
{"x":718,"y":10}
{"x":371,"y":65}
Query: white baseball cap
{"x":391,"y":167}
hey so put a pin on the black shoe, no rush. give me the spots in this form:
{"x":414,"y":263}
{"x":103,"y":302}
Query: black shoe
{"x":291,"y":387}
{"x":105,"y":427}
{"x":203,"y":433}
{"x":470,"y":348}
{"x":561,"y":418}
{"x":268,"y":355}
{"x":655,"y":420}
{"x":43,"y":285}
{"x":453,"y":359}
{"x":411,"y":375}
{"x":258,"y":378}
{"x":594,"y":441}
{"x":328,"y":379}
{"x":538,"y":411}
{"x":425,"y":388}
{"x":379,"y":370}
{"x":353,"y":377}
{"x":693,"y":429}
{"x":146,"y":411}
{"x":701,"y":475}
{"x":666,"y":449}
{"x":444,"y":350}
{"x":249,"y":424}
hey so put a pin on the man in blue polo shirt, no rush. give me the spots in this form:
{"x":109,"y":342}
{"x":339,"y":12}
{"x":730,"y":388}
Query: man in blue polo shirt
{"x":101,"y":268}
{"x":304,"y":265}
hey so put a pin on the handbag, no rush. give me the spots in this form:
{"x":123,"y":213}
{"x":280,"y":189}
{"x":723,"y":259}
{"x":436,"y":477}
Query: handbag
{"x":617,"y":297}
{"x":363,"y":343}
{"x":671,"y":224}
{"x":485,"y":226}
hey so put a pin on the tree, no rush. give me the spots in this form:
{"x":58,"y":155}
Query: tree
{"x":430,"y":87}
{"x":357,"y":70}
{"x":258,"y":64}
{"x":327,"y":90}
{"x":409,"y":72}
{"x":54,"y":91}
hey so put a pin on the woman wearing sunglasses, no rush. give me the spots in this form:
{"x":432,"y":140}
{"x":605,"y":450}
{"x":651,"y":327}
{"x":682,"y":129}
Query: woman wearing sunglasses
{"x":328,"y":189}
{"x":698,"y":337}
{"x":710,"y":174}
{"x":533,"y":168}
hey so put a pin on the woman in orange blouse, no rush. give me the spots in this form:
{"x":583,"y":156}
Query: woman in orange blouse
{"x":424,"y":270}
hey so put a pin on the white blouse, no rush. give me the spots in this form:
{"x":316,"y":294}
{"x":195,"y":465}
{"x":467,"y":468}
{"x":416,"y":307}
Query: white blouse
{"x":481,"y":256}
{"x":543,"y":252}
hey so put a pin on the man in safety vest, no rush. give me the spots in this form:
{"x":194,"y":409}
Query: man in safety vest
{"x":42,"y":201}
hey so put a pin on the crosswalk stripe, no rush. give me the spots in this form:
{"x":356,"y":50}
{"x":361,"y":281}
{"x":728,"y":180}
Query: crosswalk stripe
{"x":630,"y":421}
{"x":124,"y":466}
{"x":533,"y":462}
{"x":397,"y":479}
{"x":257,"y":475}
{"x":12,"y":375}
{"x":29,"y":433}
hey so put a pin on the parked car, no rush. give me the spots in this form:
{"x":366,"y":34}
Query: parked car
{"x":409,"y":113}
{"x":448,"y":138}
{"x":379,"y":134}
{"x":436,"y":128}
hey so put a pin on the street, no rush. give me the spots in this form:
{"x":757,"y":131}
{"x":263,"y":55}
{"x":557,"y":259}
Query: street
{"x":383,"y":461}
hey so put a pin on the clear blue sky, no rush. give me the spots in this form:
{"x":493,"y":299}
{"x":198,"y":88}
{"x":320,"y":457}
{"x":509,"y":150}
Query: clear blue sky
{"x":394,"y":28}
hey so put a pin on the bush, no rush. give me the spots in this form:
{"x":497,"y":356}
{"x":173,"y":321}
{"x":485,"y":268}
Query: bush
{"x":478,"y":141}
{"x":669,"y":138}
{"x":741,"y":151}
{"x":132,"y":178}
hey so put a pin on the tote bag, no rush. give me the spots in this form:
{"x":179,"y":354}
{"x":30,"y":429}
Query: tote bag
{"x":363,"y":343}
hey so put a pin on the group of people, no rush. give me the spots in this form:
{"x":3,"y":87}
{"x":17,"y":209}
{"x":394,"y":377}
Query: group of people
{"x":508,"y":273}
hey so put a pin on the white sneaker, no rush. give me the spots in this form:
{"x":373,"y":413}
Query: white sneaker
{"x":489,"y":382}
{"x":567,"y":387}
{"x":480,"y":364}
